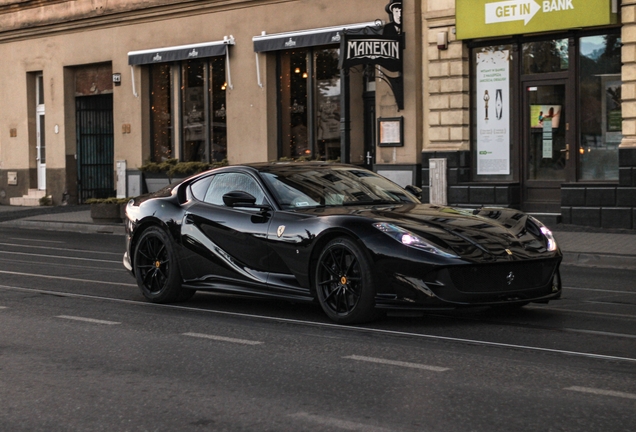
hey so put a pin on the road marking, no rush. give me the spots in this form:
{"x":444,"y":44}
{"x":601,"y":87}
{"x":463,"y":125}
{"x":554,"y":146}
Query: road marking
{"x":327,"y":325}
{"x":36,"y":240}
{"x":60,"y":257}
{"x":90,"y":320}
{"x":602,"y":392}
{"x":337,"y":423}
{"x":3,"y":307}
{"x":223,"y":339}
{"x":581,"y":312}
{"x":397,"y":363}
{"x":67,"y":279}
{"x":119,"y":269}
{"x":599,"y":290}
{"x":599,"y":333}
{"x":61,"y":249}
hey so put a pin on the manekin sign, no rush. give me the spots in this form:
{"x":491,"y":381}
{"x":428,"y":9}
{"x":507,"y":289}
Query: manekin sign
{"x":384,"y":48}
{"x":488,"y":18}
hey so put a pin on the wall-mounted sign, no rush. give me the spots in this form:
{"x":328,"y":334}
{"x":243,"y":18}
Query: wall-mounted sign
{"x":378,"y":50}
{"x":391,"y":132}
{"x":369,"y":46}
{"x":489,"y":18}
{"x":493,"y":113}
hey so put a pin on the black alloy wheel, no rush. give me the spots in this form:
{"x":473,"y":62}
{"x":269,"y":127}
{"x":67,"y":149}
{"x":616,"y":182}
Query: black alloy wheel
{"x":156,"y":268}
{"x":344,"y":282}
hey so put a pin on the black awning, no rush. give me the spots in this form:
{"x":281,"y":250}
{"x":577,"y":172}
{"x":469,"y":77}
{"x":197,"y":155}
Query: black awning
{"x":176,"y":53}
{"x":307,"y":38}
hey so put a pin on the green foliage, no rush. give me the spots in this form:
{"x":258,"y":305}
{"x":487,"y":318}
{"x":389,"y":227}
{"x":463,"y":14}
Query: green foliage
{"x":46,"y":201}
{"x":174,"y":168}
{"x":111,"y":200}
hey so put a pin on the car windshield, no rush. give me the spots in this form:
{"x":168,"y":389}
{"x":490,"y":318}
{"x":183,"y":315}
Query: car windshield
{"x":301,"y":187}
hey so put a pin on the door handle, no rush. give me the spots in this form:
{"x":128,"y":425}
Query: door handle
{"x":566,"y":150}
{"x":189,"y":220}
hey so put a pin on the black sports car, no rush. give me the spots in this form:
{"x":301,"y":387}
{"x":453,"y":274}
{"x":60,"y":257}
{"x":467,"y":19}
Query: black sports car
{"x":339,"y":234}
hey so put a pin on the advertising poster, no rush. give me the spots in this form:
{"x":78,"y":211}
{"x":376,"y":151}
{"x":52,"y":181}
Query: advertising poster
{"x":493,"y":113}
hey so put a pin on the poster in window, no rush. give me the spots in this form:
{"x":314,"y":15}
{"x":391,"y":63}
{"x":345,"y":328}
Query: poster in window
{"x":493,"y":112}
{"x":540,"y":113}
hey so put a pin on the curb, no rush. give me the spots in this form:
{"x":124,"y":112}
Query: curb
{"x":581,"y":259}
{"x":85,"y":228}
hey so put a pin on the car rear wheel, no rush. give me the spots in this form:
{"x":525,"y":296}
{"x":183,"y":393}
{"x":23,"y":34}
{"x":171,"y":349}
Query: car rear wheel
{"x":156,"y":268}
{"x":344,"y":282}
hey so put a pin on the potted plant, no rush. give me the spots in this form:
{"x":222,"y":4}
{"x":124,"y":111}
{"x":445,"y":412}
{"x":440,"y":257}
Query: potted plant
{"x":158,"y":175}
{"x":107,"y":210}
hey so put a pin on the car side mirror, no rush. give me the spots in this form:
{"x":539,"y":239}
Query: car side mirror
{"x":239,"y":199}
{"x":414,"y":190}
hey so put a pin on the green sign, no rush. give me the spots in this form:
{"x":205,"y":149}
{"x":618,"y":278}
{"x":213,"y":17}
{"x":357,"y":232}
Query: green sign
{"x":488,"y":18}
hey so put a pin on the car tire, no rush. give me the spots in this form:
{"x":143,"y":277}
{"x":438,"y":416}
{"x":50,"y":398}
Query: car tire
{"x":156,"y":268}
{"x":344,"y":282}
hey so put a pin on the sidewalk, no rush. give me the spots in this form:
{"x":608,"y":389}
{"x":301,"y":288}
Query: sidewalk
{"x":581,"y":246}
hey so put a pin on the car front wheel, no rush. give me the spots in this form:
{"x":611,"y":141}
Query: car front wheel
{"x":344,"y":282}
{"x":156,"y":268}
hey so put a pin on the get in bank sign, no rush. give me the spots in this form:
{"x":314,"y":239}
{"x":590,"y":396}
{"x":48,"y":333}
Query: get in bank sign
{"x":488,"y":18}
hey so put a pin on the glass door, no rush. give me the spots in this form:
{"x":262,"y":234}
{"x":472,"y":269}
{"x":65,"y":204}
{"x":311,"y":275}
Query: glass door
{"x":548,"y":150}
{"x":41,"y":141}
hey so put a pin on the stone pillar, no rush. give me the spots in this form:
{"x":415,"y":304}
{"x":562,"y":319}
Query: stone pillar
{"x":628,"y":54}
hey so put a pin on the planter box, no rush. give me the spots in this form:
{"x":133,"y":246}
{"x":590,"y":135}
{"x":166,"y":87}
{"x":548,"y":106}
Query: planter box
{"x":106,"y":213}
{"x":158,"y":181}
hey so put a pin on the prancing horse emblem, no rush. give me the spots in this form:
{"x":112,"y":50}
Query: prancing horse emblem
{"x":510,"y":278}
{"x":281,"y":230}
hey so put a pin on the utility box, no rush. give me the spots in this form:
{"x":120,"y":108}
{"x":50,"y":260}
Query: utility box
{"x":121,"y":179}
{"x":437,"y":181}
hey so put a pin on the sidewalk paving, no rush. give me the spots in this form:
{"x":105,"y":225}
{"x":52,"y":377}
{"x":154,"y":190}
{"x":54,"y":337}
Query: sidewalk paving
{"x":582,"y":246}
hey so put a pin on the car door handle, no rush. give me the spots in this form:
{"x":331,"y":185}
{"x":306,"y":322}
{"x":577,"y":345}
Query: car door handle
{"x":189,"y":220}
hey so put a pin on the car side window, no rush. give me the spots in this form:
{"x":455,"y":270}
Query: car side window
{"x":229,"y":182}
{"x":200,"y":188}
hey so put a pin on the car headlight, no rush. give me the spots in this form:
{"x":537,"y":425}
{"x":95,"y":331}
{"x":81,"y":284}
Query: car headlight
{"x":407,"y":238}
{"x":551,"y":243}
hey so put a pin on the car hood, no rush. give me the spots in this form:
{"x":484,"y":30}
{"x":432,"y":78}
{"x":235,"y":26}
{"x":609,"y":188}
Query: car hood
{"x":484,"y":234}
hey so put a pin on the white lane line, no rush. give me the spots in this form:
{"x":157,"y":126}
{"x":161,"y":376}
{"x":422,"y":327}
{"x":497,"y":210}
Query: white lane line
{"x":59,"y":265}
{"x":67,"y":279}
{"x":3,"y":307}
{"x":36,"y":240}
{"x":61,"y":249}
{"x":397,"y":363}
{"x":331,"y":422}
{"x":600,"y":333}
{"x":602,"y":392}
{"x":325,"y":325}
{"x":89,"y":320}
{"x":599,"y":290}
{"x":60,"y":257}
{"x":581,"y":312}
{"x":223,"y":339}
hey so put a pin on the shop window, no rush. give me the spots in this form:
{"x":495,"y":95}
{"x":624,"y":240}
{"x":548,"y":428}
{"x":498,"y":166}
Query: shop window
{"x":309,"y":104}
{"x":546,"y":56}
{"x":600,"y":107}
{"x":493,"y":149}
{"x":161,"y":113}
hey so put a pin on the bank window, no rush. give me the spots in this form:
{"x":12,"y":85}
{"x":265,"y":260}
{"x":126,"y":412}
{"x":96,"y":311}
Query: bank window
{"x":493,"y":152}
{"x":600,"y":107}
{"x":546,"y":56}
{"x":160,"y":113}
{"x":204,"y":128}
{"x":309,"y":104}
{"x":198,"y":111}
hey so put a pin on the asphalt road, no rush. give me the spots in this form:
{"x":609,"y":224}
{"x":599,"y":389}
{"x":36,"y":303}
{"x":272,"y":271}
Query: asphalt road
{"x":81,"y":350}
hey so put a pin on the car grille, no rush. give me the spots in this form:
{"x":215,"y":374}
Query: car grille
{"x":511,"y":276}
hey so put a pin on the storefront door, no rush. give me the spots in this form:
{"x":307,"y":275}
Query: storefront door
{"x":549,"y":159}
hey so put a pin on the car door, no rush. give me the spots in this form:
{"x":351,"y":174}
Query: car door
{"x":230,"y":243}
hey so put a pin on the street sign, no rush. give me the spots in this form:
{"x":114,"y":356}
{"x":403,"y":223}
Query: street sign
{"x":488,"y":18}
